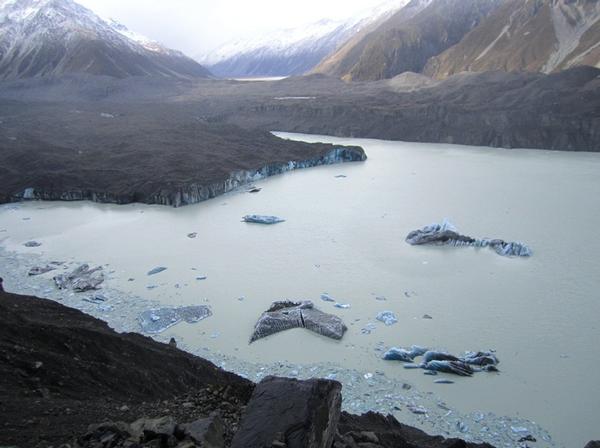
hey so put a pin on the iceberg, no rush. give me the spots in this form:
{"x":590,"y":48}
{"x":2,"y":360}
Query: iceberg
{"x":158,"y":320}
{"x":387,"y":317}
{"x":284,"y":315}
{"x":446,"y":234}
{"x":262,"y":219}
{"x":81,"y":279}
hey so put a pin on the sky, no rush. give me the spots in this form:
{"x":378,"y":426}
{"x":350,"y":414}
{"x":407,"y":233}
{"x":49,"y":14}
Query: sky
{"x":198,"y":26}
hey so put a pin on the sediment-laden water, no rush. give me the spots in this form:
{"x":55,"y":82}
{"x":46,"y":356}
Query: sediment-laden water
{"x":345,"y":236}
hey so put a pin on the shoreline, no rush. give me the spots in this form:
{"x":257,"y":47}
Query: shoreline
{"x":392,"y":396}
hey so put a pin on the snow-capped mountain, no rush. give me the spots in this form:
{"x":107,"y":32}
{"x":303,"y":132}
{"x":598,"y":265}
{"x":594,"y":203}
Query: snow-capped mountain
{"x":54,"y":37}
{"x":292,"y":51}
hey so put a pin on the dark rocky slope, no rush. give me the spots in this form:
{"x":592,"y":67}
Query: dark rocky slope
{"x":61,"y":370}
{"x":153,"y":153}
{"x":511,"y":110}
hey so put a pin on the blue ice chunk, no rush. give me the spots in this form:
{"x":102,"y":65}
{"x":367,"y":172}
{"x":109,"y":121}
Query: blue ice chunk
{"x":262,"y":219}
{"x":387,"y":317}
{"x":327,"y":298}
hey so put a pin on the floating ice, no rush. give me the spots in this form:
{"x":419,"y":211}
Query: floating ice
{"x":39,"y":270}
{"x":446,"y":234}
{"x":387,"y":317}
{"x":402,"y":354}
{"x":81,"y":279}
{"x":157,"y":270}
{"x":158,"y":320}
{"x":262,"y":219}
{"x":327,"y":298}
{"x":286,"y":314}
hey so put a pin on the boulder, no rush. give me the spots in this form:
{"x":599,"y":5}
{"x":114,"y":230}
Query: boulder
{"x":207,"y":432}
{"x":296,"y":413}
{"x":147,"y":429}
{"x":283,"y":315}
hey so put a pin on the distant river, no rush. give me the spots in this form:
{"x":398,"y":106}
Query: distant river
{"x":345,"y":236}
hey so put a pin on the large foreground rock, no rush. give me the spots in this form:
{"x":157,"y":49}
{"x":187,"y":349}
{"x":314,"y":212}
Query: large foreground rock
{"x":296,"y":413}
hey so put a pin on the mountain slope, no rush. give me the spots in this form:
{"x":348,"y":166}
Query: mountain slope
{"x":292,"y":51}
{"x":532,"y":35}
{"x":420,"y":30}
{"x":55,"y":37}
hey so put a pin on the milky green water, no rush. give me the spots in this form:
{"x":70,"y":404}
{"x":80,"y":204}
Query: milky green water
{"x":345,"y":236}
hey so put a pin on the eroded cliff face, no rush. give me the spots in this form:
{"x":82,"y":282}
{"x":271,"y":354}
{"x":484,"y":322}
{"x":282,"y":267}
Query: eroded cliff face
{"x":186,"y":194}
{"x":533,"y":35}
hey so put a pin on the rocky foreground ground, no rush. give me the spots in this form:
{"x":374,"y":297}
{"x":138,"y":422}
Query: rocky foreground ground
{"x":68,"y":380}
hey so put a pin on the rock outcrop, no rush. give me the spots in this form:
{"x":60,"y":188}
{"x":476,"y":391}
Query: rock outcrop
{"x":373,"y":430}
{"x":307,"y":417}
{"x":284,"y":315}
{"x":156,"y":433}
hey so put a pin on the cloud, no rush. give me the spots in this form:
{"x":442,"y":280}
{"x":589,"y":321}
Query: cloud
{"x":198,"y":26}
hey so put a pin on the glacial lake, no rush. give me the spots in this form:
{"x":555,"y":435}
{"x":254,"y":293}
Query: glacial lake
{"x":345,"y":236}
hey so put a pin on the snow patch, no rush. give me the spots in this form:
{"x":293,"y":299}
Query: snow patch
{"x":567,"y":35}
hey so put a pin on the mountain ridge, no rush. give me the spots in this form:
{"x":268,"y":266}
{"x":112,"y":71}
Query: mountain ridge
{"x":57,"y":37}
{"x":292,"y":51}
{"x":405,"y":41}
{"x":537,"y":36}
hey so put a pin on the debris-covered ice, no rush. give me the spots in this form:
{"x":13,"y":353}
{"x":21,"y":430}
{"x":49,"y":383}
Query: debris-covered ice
{"x":286,"y":314}
{"x":446,"y":234}
{"x":39,"y":270}
{"x":435,"y":361}
{"x":158,"y":320}
{"x":80,"y":279}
